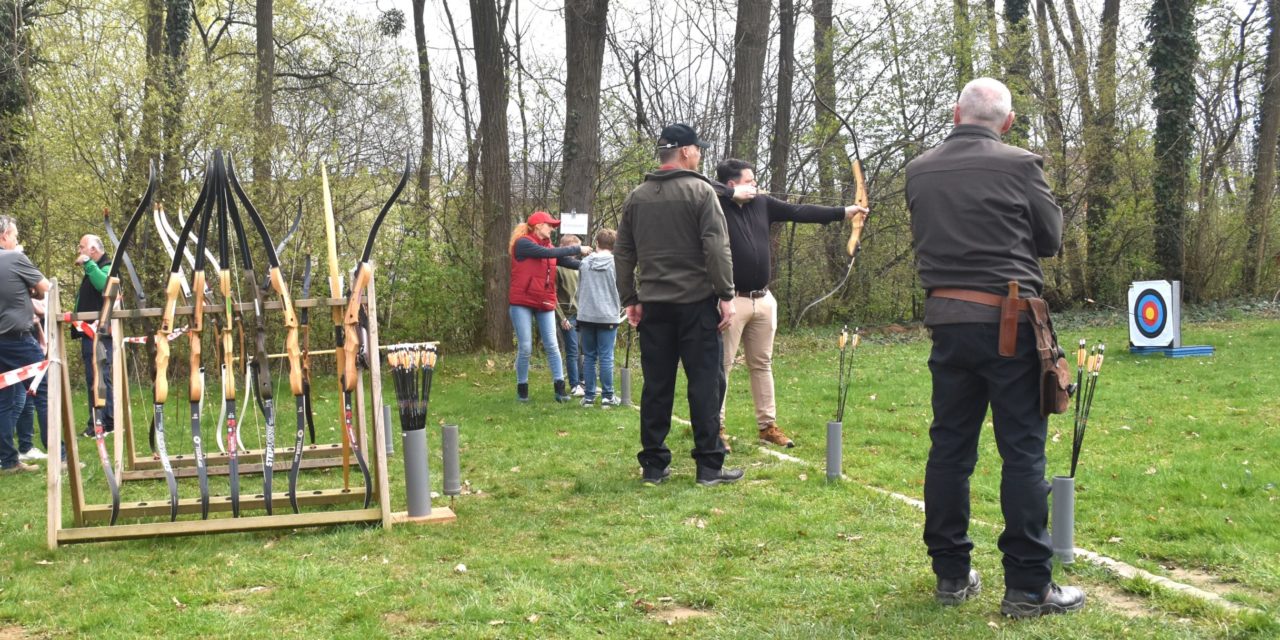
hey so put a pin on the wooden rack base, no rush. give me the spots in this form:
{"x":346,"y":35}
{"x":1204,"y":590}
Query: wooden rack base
{"x":221,"y":525}
{"x":439,"y":515}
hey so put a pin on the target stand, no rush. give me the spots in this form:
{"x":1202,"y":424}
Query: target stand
{"x":1155,"y":320}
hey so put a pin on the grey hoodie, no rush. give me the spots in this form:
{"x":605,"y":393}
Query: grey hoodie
{"x":598,"y":290}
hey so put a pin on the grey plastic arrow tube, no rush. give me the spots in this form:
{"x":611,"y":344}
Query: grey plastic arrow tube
{"x":1064,"y":519}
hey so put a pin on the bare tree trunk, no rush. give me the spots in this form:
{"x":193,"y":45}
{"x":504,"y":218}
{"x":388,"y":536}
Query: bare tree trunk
{"x":464,"y":90}
{"x":1100,"y":145}
{"x":963,"y":42}
{"x":264,"y":89}
{"x":642,"y":122}
{"x":585,"y":25}
{"x":781,"y":147}
{"x":177,"y":28}
{"x":1056,"y":148}
{"x":1257,"y":216}
{"x":751,"y":44}
{"x":1017,"y":65}
{"x":428,"y":118}
{"x":495,"y":159}
{"x":147,"y":147}
{"x":824,"y":88}
{"x":993,"y":38}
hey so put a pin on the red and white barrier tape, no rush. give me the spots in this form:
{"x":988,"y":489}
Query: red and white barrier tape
{"x":79,"y":325}
{"x":177,"y":333}
{"x":10,"y":378}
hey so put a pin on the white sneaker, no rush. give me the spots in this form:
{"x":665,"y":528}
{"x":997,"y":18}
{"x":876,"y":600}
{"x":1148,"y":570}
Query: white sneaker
{"x":32,"y":454}
{"x":610,"y":401}
{"x":578,"y":391}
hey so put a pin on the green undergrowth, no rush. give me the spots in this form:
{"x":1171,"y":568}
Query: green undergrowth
{"x":560,"y":540}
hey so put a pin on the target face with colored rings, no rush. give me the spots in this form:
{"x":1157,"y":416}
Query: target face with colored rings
{"x":1150,"y":313}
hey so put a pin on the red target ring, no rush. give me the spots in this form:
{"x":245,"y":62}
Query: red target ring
{"x":1150,"y":313}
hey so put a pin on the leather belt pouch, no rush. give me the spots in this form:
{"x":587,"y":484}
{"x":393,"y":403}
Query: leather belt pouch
{"x":1009,"y":322}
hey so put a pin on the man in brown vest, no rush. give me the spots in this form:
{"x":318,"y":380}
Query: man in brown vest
{"x":981,"y":217}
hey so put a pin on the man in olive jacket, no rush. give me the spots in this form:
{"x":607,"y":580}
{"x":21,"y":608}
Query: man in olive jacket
{"x":675,"y":280}
{"x":981,"y":217}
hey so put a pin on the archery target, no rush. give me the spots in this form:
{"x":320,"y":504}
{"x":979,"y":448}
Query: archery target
{"x":1154,"y":313}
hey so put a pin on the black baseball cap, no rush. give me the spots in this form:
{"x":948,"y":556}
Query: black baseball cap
{"x":679,"y":135}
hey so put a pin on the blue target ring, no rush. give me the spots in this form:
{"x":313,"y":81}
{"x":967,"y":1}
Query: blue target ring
{"x":1150,"y":313}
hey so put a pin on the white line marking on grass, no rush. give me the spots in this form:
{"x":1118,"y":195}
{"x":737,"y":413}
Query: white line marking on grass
{"x":1116,"y":567}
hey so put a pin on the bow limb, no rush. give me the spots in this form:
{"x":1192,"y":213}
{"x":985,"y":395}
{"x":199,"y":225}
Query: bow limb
{"x":124,"y":256}
{"x":101,"y":363}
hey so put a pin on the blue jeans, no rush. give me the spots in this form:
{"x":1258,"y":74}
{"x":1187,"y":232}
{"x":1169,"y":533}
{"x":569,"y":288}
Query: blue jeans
{"x":17,"y":353}
{"x":597,"y":346}
{"x":571,"y":351}
{"x":522,"y":319}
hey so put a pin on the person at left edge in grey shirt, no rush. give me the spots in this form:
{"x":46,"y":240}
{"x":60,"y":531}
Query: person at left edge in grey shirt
{"x":20,"y":281}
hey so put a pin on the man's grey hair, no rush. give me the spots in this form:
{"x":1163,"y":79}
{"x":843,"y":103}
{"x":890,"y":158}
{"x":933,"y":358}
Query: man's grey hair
{"x":6,"y":222}
{"x":985,"y":101}
{"x":95,"y":242}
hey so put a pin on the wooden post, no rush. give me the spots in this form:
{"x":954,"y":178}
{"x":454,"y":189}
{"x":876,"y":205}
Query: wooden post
{"x":53,"y":465}
{"x":379,"y":431}
{"x":69,"y":429}
{"x":120,"y":385}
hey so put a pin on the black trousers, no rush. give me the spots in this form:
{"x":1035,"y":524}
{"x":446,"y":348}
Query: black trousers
{"x":672,"y":334}
{"x":969,"y":375}
{"x":86,"y":355}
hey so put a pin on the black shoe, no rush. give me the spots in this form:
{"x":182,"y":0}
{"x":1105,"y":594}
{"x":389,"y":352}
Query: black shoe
{"x":711,"y":477}
{"x":953,"y":591}
{"x":1052,"y":598}
{"x":654,"y":476}
{"x":562,"y":394}
{"x":522,"y":391}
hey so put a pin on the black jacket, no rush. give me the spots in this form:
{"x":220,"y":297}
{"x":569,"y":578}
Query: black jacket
{"x":749,"y":232}
{"x":982,"y":214}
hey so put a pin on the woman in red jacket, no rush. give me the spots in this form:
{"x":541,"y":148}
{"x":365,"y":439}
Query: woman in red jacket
{"x":532,"y":295}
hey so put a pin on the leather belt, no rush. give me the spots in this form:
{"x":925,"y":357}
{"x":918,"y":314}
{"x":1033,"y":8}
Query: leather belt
{"x":754,"y":295}
{"x":980,"y":297}
{"x":1010,"y":306}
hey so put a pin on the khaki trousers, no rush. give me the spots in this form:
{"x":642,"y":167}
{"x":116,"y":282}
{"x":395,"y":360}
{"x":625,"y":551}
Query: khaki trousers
{"x":755,"y":321}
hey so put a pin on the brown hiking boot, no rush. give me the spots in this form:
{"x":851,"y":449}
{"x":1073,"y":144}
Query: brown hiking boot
{"x":724,"y":439}
{"x":773,"y":435}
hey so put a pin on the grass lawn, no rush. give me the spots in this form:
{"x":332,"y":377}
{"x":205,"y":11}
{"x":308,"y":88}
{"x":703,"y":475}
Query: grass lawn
{"x":560,"y":539}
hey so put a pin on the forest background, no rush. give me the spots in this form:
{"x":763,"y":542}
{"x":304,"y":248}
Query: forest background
{"x":1158,"y":123}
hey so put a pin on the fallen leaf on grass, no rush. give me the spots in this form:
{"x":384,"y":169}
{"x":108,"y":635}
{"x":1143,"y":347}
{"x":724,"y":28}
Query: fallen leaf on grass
{"x":43,"y":562}
{"x":666,"y":599}
{"x":494,"y":623}
{"x":803,"y":477}
{"x":641,"y":604}
{"x":717,"y":512}
{"x":178,"y":604}
{"x":1151,"y":471}
{"x":1057,"y":436}
{"x":533,"y":618}
{"x":696,"y":522}
{"x":515,"y":469}
{"x":992,"y":624}
{"x":1115,"y":540}
{"x":562,"y":433}
{"x":460,"y":568}
{"x":848,"y":538}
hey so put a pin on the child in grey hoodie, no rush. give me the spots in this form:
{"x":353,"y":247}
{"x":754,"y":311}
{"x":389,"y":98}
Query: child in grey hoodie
{"x":599,"y":311}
